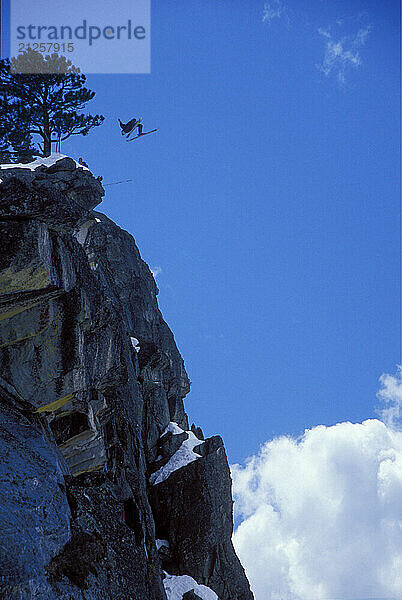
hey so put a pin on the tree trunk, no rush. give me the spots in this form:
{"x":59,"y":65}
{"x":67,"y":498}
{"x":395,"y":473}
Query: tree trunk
{"x":47,"y":136}
{"x":47,"y":147}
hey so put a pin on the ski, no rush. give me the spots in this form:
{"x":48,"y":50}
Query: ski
{"x":142,"y":134}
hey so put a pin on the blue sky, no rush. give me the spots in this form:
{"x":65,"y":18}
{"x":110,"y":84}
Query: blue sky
{"x":269,"y":198}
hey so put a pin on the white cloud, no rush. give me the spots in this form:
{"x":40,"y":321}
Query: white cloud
{"x":391,"y":395}
{"x":342,"y":52}
{"x":272,"y":10}
{"x":321,"y":515}
{"x":156,"y":271}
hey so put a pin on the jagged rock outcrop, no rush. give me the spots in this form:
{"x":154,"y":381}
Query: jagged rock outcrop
{"x":91,"y":412}
{"x":193,"y":510}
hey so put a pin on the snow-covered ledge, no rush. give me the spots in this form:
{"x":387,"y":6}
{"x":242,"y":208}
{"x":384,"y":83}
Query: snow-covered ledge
{"x":182,"y":457}
{"x":48,"y":161}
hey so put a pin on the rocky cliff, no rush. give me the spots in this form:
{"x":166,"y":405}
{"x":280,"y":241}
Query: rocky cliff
{"x":105,"y":491}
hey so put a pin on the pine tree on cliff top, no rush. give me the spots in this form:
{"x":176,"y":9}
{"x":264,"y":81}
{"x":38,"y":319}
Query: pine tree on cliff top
{"x":40,"y":97}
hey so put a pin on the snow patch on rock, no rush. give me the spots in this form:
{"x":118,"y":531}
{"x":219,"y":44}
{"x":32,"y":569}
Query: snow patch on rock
{"x":172,"y":428}
{"x":177,"y":585}
{"x":182,"y":457}
{"x":135,"y":344}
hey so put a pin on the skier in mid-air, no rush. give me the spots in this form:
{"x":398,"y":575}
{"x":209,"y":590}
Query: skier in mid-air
{"x":128,"y":128}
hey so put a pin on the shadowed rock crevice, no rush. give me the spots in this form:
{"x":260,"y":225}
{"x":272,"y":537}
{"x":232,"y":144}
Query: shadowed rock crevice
{"x":67,"y":426}
{"x":79,"y":557}
{"x":133,"y":520}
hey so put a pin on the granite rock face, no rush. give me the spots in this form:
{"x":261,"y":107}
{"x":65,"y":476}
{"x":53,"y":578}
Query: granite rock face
{"x":90,"y":379}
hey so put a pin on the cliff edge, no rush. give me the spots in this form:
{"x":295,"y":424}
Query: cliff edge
{"x":105,"y":491}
